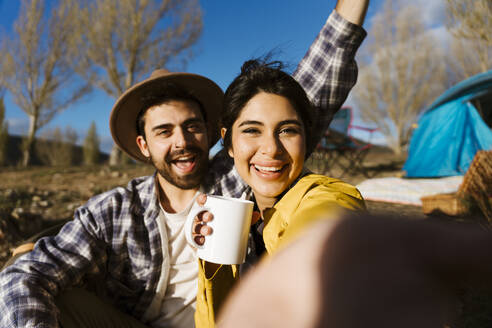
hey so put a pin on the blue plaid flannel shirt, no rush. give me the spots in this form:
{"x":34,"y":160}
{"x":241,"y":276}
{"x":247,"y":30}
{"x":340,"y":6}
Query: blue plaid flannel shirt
{"x":114,"y":237}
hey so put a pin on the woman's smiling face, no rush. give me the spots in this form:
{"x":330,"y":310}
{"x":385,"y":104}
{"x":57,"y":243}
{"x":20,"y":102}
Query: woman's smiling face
{"x":268,"y":145}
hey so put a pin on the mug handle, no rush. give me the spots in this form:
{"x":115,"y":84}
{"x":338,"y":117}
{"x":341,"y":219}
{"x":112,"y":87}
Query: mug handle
{"x":188,"y":228}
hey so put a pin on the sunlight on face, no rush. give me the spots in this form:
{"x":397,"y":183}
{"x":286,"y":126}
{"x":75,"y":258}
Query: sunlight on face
{"x":176,"y":142}
{"x":268,"y":145}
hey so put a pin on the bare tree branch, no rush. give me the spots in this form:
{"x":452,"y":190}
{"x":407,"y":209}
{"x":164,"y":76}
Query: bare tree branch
{"x":404,"y":74}
{"x":36,"y":67}
{"x":119,"y":42}
{"x":470,"y":22}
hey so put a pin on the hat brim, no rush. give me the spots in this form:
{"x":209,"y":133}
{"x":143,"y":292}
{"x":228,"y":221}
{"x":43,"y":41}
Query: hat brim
{"x":123,"y":119}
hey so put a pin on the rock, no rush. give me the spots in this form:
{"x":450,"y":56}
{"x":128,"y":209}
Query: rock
{"x":35,"y":211}
{"x":72,"y":206}
{"x":44,"y":203}
{"x":115,"y":174}
{"x":36,"y":198}
{"x":17,"y":213}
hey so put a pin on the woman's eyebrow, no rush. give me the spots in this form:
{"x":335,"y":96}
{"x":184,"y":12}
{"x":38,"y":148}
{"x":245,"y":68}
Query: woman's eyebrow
{"x":296,"y":122}
{"x":250,"y":122}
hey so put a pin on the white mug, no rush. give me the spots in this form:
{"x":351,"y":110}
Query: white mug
{"x":231,"y":223}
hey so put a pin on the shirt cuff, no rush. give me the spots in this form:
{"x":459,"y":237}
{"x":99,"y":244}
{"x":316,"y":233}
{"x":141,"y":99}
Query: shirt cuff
{"x":347,"y":35}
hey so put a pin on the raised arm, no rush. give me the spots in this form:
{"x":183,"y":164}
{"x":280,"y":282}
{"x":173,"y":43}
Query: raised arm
{"x":353,"y":10}
{"x":328,"y":71}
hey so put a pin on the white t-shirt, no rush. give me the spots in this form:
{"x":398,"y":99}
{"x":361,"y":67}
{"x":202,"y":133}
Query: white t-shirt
{"x":178,"y":305}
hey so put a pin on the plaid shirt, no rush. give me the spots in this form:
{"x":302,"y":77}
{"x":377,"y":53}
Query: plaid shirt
{"x":114,"y":238}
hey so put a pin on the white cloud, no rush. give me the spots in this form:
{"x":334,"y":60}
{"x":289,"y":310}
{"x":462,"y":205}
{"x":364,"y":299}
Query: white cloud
{"x":442,"y":35}
{"x":433,"y":11}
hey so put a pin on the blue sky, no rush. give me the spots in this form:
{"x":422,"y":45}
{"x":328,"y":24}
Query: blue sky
{"x":234,"y":31}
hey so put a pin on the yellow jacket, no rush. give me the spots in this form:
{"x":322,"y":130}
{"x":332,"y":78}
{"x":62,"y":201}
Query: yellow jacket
{"x":313,"y":197}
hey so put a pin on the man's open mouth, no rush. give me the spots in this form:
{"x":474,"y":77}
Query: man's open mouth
{"x":185,"y":164}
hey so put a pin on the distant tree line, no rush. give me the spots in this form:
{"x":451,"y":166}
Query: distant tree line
{"x":91,"y":146}
{"x":4,"y":134}
{"x":54,"y":147}
{"x":57,"y":56}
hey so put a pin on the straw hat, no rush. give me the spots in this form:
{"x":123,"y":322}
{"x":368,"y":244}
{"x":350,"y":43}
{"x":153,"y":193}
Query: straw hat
{"x":123,"y":119}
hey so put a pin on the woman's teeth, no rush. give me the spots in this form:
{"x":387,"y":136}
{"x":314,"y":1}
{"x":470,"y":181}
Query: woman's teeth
{"x":268,"y":168}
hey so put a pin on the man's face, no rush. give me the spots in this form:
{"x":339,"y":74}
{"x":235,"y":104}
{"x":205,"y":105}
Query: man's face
{"x":176,"y":142}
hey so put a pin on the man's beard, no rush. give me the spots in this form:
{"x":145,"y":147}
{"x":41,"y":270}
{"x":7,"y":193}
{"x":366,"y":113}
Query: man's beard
{"x":188,"y":181}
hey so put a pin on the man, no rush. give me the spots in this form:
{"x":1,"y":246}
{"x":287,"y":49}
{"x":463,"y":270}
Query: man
{"x":126,"y":245}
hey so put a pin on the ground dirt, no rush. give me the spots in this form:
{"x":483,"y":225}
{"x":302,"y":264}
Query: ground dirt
{"x":36,"y":198}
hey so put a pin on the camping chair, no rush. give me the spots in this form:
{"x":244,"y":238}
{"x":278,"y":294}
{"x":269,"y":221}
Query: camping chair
{"x":339,"y":147}
{"x":475,"y":191}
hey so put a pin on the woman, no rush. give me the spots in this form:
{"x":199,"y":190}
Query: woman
{"x":266,"y":125}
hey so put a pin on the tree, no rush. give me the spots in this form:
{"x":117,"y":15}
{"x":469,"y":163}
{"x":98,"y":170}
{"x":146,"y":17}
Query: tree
{"x":36,"y":66}
{"x":91,"y":146}
{"x":4,"y":133}
{"x":402,"y":71}
{"x":119,"y":42}
{"x":57,"y":147}
{"x":470,"y":22}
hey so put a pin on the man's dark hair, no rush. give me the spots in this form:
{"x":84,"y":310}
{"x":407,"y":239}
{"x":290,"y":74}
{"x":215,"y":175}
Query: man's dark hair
{"x":165,"y":93}
{"x":259,"y":76}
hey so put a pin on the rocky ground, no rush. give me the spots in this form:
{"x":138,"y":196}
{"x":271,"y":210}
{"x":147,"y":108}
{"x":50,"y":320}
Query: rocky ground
{"x":35,"y":199}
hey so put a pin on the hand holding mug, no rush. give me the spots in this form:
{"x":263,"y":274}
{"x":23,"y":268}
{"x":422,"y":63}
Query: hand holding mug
{"x":200,"y":227}
{"x":225,"y":222}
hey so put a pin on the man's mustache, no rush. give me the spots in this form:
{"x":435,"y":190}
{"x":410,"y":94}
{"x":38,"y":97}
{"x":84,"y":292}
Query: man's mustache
{"x":191,"y":151}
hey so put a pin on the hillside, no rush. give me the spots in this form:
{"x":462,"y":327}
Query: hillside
{"x":14,"y":154}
